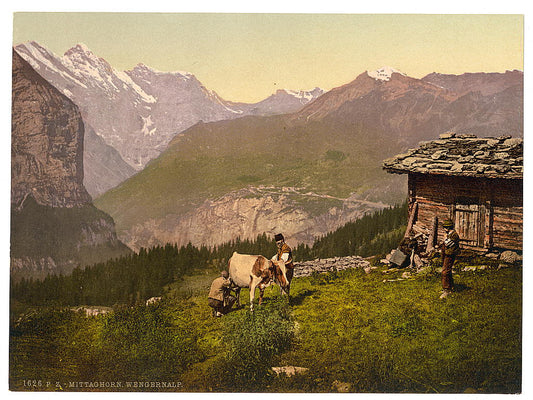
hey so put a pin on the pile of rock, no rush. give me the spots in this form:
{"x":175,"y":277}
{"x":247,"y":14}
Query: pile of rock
{"x":92,"y":311}
{"x":509,"y":257}
{"x":290,"y":370}
{"x":307,"y":268}
{"x":323,"y":265}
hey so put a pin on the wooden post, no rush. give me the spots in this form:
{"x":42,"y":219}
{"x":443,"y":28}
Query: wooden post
{"x":412,"y":216}
{"x":491,"y":225}
{"x":482,"y":227}
{"x":433,"y":234}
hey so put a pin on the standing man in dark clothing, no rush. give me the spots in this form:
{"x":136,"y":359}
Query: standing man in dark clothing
{"x":219,"y":295}
{"x":449,"y":248}
{"x":284,"y":253}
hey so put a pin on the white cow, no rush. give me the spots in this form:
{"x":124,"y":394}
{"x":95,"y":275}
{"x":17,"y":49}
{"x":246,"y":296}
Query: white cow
{"x":255,"y":271}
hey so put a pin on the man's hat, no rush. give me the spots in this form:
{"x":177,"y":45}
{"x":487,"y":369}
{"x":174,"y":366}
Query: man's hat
{"x":278,"y":237}
{"x":447,"y":224}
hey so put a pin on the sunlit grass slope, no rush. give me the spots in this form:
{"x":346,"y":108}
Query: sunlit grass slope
{"x":375,"y":336}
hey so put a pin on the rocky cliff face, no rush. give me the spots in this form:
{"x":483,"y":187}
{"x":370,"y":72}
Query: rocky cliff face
{"x":47,"y":142}
{"x":54,"y":226}
{"x":106,"y":168}
{"x":248,"y":212}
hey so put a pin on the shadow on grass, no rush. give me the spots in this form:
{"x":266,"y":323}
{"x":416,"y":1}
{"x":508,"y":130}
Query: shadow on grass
{"x":458,"y":287}
{"x":295,"y":300}
{"x":233,"y":309}
{"x":300,"y":297}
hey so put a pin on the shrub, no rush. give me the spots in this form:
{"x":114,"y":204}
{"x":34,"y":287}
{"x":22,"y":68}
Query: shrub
{"x":145,"y":343}
{"x":252,"y":340}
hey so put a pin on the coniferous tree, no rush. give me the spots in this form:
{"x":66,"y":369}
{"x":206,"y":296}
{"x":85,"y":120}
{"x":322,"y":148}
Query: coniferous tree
{"x":135,"y":277}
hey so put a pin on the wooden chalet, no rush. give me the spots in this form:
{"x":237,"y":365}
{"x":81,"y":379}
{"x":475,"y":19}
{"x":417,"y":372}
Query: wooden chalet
{"x":475,"y":182}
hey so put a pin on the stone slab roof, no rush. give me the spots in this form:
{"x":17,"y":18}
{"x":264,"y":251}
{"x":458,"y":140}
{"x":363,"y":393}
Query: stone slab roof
{"x":463,"y":155}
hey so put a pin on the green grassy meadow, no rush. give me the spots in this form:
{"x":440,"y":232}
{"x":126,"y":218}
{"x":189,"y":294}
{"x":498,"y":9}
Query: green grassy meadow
{"x":351,"y":330}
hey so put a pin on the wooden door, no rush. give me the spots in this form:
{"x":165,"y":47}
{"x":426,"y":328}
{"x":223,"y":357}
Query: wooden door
{"x":470,"y":224}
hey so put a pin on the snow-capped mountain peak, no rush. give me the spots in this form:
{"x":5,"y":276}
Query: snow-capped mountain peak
{"x":140,"y":68}
{"x":304,"y":95}
{"x":33,"y":47}
{"x":82,"y":54}
{"x":384,"y":73}
{"x":38,"y":54}
{"x":82,"y":48}
{"x":92,"y":71}
{"x":85,"y":63}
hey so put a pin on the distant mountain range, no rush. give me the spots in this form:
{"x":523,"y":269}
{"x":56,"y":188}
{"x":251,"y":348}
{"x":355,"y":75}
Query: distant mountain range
{"x":299,"y":162}
{"x":138,"y":112}
{"x":407,"y":110}
{"x":309,"y":171}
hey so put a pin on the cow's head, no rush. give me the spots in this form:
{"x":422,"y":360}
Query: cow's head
{"x":279,"y":270}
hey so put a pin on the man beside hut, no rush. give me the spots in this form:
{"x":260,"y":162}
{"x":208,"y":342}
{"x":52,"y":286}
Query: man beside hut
{"x":449,"y":249}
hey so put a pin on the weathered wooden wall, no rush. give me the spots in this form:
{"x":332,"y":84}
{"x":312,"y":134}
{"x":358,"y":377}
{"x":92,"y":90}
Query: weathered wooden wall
{"x":488,"y":212}
{"x":508,"y":227}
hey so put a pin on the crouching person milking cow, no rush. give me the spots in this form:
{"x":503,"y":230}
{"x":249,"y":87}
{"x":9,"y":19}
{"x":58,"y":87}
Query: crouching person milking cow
{"x":253,"y":271}
{"x":219,"y":297}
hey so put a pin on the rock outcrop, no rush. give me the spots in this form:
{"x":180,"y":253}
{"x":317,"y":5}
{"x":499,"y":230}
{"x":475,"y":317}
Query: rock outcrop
{"x":249,"y":212}
{"x":47,"y":142}
{"x":54,"y":226}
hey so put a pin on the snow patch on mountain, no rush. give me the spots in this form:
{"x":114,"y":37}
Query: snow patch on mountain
{"x":67,"y":93}
{"x":180,"y":74}
{"x":305,"y":95}
{"x":37,"y":53}
{"x":213,"y":95}
{"x":148,"y":129}
{"x":137,"y":89}
{"x":384,"y":73}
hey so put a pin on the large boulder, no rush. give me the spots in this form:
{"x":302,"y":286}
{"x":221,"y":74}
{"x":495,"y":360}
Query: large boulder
{"x":510,"y":257}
